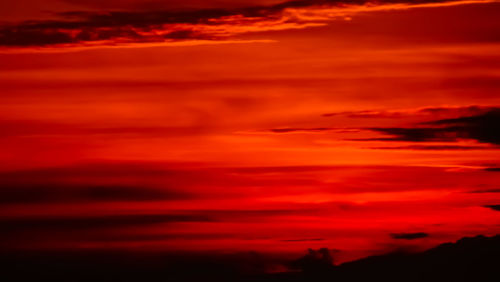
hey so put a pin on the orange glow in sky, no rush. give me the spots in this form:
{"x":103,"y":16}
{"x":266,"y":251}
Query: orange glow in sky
{"x":249,"y":125}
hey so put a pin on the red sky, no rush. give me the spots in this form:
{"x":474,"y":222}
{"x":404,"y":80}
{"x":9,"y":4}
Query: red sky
{"x":249,"y":125}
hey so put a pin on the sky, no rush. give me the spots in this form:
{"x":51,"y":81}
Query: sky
{"x":234,"y":126}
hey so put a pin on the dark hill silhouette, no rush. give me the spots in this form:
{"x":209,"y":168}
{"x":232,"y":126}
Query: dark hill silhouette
{"x":469,"y":259}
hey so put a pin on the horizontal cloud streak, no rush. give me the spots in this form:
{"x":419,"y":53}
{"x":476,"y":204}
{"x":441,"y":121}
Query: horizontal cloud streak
{"x":91,"y":29}
{"x":493,"y":207}
{"x":72,"y":223}
{"x":420,"y":112}
{"x":291,"y":130}
{"x":434,"y":147}
{"x":483,"y":128}
{"x":409,"y":236}
{"x":55,"y":193}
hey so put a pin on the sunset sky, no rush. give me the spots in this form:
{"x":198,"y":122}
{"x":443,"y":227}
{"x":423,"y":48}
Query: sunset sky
{"x":239,"y":125}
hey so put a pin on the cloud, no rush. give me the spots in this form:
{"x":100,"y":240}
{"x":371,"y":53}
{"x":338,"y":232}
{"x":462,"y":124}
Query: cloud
{"x":17,"y":128}
{"x":484,"y":128}
{"x":303,"y":240}
{"x":72,"y":230}
{"x":409,"y":236}
{"x":280,"y":169}
{"x":291,"y":130}
{"x":493,"y":207}
{"x":485,"y":191}
{"x":417,"y":134}
{"x":68,"y":193}
{"x":70,"y":224}
{"x":434,"y":147}
{"x":96,"y":182}
{"x":112,"y":28}
{"x":494,"y":169}
{"x":420,"y":112}
{"x":126,"y":229}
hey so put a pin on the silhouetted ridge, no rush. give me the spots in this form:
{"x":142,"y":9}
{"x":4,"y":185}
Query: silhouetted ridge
{"x":469,"y":259}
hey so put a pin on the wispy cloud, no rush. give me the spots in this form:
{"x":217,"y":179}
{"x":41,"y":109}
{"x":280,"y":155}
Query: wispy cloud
{"x":483,"y":128}
{"x":434,"y":147}
{"x":493,"y":207}
{"x":409,"y":236}
{"x":122,"y":28}
{"x":296,"y":129}
{"x":420,"y":112}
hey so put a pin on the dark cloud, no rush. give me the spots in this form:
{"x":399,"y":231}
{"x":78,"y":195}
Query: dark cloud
{"x":96,"y":182}
{"x":120,"y":237}
{"x":304,"y":240}
{"x":417,"y":134}
{"x":484,"y":128}
{"x":281,"y":169}
{"x":18,"y":232}
{"x":91,"y":170}
{"x":493,"y":207}
{"x":79,"y":28}
{"x":494,"y":169}
{"x":409,"y":236}
{"x":433,"y":147}
{"x":467,"y":110}
{"x":485,"y":191}
{"x":74,"y":223}
{"x":142,"y":181}
{"x":168,"y":4}
{"x":74,"y":229}
{"x":30,"y":128}
{"x":427,"y":111}
{"x":67,"y":193}
{"x":119,"y":27}
{"x":292,"y":129}
{"x":365,"y":114}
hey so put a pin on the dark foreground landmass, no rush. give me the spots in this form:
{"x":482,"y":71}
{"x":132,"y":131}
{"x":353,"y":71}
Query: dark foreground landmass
{"x":469,"y":259}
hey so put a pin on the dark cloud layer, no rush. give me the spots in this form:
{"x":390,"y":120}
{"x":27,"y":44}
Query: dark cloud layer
{"x":80,"y":28}
{"x":95,"y":222}
{"x":19,"y":232}
{"x":486,"y":191}
{"x":84,"y":183}
{"x":296,"y":129}
{"x":427,"y":111}
{"x":67,"y":193}
{"x":433,"y":147}
{"x":304,"y":240}
{"x":484,"y":128}
{"x":18,"y":128}
{"x":443,"y":124}
{"x":494,"y":169}
{"x":409,"y":236}
{"x":493,"y":207}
